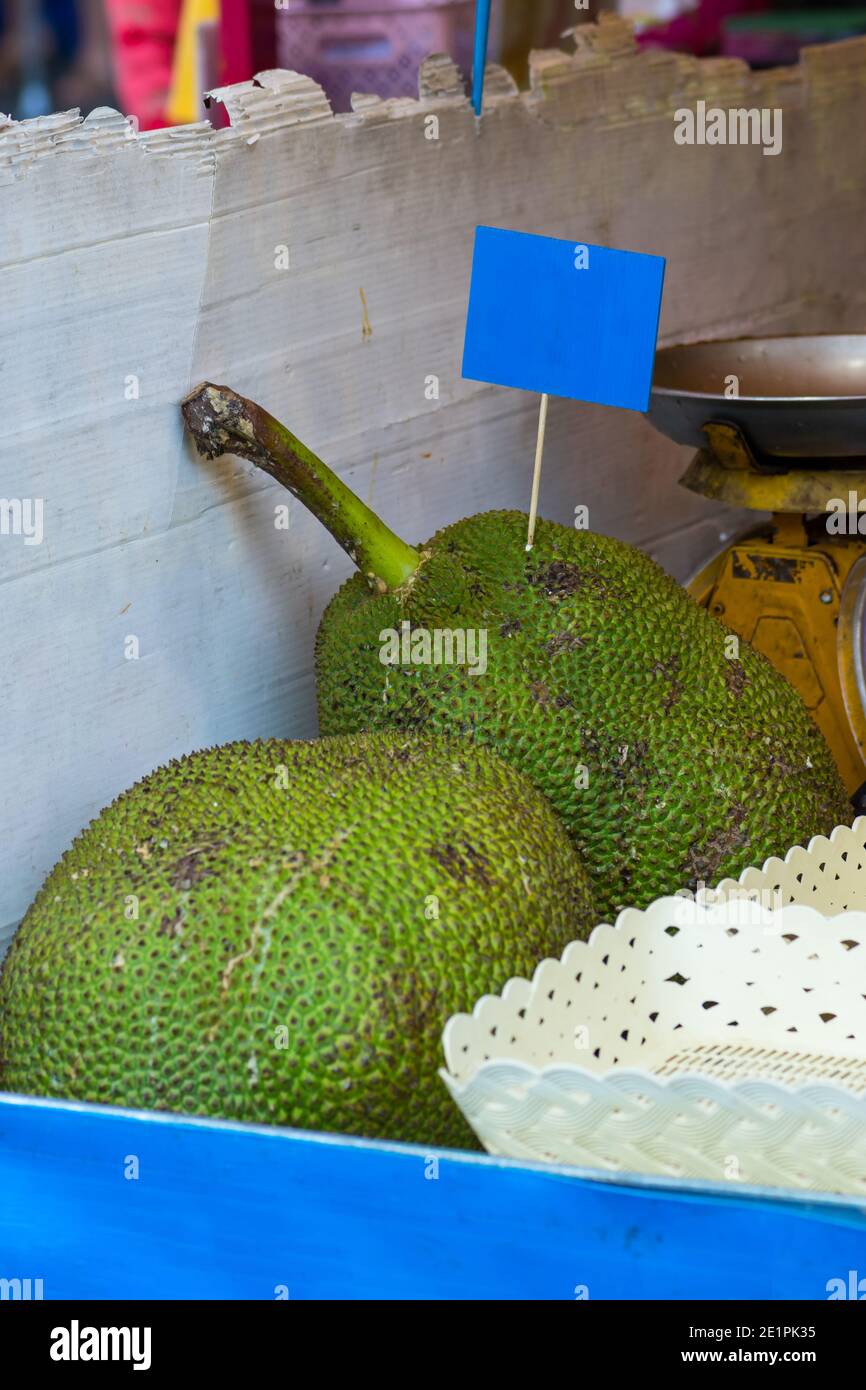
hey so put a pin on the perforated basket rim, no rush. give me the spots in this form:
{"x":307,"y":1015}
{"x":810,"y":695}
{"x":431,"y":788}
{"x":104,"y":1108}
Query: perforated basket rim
{"x":791,"y":917}
{"x":796,"y":1119}
{"x":817,"y":848}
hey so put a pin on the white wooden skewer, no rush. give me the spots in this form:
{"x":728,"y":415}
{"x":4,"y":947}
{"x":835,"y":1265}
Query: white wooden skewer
{"x":536,"y":476}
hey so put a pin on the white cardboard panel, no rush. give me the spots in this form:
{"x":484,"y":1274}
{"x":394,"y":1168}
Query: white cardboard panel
{"x":154,"y":257}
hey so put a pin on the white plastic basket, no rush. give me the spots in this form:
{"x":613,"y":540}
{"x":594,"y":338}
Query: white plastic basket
{"x":829,"y":875}
{"x":718,"y":1040}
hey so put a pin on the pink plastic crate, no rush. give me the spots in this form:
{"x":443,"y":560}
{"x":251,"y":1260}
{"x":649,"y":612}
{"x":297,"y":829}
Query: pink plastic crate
{"x":363,"y":46}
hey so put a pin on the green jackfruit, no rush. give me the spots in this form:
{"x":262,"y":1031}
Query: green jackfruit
{"x":673,"y":755}
{"x":278,"y":932}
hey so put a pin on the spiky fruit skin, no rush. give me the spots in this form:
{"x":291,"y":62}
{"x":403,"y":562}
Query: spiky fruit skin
{"x":277,"y":932}
{"x":696,"y":765}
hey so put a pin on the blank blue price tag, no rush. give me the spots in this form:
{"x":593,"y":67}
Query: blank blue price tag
{"x":563,"y":317}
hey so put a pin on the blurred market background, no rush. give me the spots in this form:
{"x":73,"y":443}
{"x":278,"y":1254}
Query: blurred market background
{"x":153,"y":59}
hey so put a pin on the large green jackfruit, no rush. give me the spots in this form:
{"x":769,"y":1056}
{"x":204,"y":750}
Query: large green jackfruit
{"x":278,"y":932}
{"x":674,"y":754}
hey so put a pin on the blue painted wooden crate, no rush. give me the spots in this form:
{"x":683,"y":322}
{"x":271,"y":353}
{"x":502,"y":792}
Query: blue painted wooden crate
{"x":111,"y":1203}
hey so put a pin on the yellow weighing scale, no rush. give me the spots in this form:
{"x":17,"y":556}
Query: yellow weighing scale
{"x":780,"y":427}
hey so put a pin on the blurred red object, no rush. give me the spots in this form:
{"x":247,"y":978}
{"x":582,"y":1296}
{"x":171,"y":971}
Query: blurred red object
{"x":700,"y":30}
{"x":247,"y":38}
{"x":236,"y":41}
{"x":143,"y":35}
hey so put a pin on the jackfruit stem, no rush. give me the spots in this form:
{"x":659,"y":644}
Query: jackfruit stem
{"x":220,"y":421}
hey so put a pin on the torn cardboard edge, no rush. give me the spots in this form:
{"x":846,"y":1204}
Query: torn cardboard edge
{"x":564,"y":86}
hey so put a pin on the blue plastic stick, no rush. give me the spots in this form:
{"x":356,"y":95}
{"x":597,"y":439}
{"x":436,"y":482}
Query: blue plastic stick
{"x":479,"y":61}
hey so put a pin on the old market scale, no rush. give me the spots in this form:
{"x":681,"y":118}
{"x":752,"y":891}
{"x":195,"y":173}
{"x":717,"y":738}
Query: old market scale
{"x":780,"y":427}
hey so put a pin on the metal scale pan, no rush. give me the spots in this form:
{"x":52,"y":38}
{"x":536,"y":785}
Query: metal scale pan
{"x":799,"y":397}
{"x":792,"y":443}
